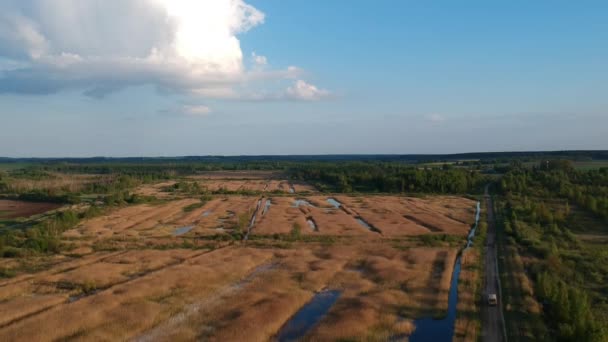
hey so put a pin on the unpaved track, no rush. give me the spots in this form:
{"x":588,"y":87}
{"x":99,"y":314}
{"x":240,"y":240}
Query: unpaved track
{"x":492,"y":322}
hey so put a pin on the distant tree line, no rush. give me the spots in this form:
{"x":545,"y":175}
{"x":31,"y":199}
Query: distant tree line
{"x":558,"y":178}
{"x":388,"y":177}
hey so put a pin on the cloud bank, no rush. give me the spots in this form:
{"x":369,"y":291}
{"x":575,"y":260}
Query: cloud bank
{"x":101,"y":46}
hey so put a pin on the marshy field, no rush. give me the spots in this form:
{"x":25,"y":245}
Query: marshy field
{"x":236,"y":256}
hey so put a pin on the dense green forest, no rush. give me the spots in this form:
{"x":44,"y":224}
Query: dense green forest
{"x":558,"y":178}
{"x":557,"y":218}
{"x":389,"y":177}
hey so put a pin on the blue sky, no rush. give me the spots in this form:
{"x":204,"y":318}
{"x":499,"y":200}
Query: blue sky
{"x":327,"y":77}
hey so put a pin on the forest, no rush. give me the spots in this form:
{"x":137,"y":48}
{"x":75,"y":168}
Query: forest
{"x":556,"y":216}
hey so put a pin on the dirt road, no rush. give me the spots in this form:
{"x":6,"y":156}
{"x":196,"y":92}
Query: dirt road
{"x":492,"y":322}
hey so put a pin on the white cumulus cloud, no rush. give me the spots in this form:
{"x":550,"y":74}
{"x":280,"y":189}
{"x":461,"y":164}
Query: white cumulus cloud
{"x":302,"y":90}
{"x":259,"y":60}
{"x":102,"y":46}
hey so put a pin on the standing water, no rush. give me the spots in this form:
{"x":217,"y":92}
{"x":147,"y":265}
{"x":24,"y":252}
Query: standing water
{"x":302,"y":202}
{"x":334,"y":202}
{"x":312,"y":224}
{"x":182,"y":230}
{"x":267,"y":206}
{"x":308,"y":316}
{"x":430,"y":329}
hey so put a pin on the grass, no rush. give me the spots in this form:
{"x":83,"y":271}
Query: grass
{"x":590,"y":165}
{"x":522,"y":312}
{"x":138,"y":276}
{"x":193,"y":207}
{"x":13,"y":166}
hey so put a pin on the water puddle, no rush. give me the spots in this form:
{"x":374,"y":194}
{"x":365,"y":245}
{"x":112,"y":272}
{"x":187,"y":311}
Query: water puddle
{"x":207,"y":213}
{"x":252,"y":221}
{"x":308,"y":316}
{"x":78,"y":297}
{"x":292,"y":190}
{"x":334,"y":202}
{"x":267,"y":206}
{"x":364,"y":224}
{"x":472,"y":232}
{"x":312,"y":225}
{"x":430,"y":329}
{"x":182,"y":230}
{"x":302,"y":203}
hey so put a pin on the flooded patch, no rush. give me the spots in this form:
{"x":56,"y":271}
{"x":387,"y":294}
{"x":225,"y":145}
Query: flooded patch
{"x":363,"y":223}
{"x":367,"y":225}
{"x":207,"y":213}
{"x":312,"y":224}
{"x":474,"y":229}
{"x":430,"y":329}
{"x":78,"y":297}
{"x":182,"y":230}
{"x":308,"y":316}
{"x":334,"y":202}
{"x":252,"y":221}
{"x":267,"y":206}
{"x":302,"y":203}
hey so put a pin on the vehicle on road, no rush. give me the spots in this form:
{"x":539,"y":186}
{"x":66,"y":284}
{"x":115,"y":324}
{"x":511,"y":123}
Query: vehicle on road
{"x":492,"y":299}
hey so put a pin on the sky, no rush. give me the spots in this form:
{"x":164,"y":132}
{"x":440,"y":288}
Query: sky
{"x":82,"y":78}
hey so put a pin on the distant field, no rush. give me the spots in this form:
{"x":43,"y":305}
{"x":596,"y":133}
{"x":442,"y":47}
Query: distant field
{"x":14,"y":166}
{"x":15,"y":209}
{"x":588,"y":165}
{"x":580,"y":165}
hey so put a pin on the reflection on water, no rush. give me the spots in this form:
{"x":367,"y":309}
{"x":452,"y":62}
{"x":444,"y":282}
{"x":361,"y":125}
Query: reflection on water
{"x":429,"y":329}
{"x":311,"y":224}
{"x":308,"y":316}
{"x":334,"y":202}
{"x":302,"y":202}
{"x":182,"y":230}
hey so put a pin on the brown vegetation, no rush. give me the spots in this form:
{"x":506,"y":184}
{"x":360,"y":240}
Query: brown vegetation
{"x":129,"y":277}
{"x":14,"y":209}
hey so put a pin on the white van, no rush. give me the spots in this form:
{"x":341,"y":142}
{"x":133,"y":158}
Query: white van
{"x":492,"y":299}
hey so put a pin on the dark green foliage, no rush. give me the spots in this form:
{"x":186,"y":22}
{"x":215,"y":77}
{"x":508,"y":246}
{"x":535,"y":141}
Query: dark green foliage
{"x":586,"y":188}
{"x":192,"y":207}
{"x":570,"y":274}
{"x":296,"y":232}
{"x":436,"y":240}
{"x":568,"y":309}
{"x":388,"y":177}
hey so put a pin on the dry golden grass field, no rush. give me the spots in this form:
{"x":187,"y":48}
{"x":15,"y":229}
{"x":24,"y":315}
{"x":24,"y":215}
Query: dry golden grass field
{"x":233,"y":181}
{"x":163,"y":272}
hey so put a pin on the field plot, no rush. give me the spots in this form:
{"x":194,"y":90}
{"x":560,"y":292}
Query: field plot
{"x":14,"y":209}
{"x":183,"y":294}
{"x":371,"y":216}
{"x":321,"y":215}
{"x":56,"y":181}
{"x":228,"y":185}
{"x":159,"y":272}
{"x":260,"y":185}
{"x":412,"y":216}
